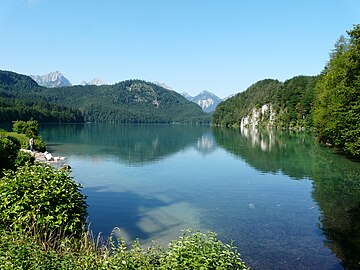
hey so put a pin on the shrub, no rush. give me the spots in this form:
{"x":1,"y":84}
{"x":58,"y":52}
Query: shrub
{"x":29,"y":128}
{"x":191,"y":251}
{"x":22,"y":158}
{"x":44,"y":198}
{"x":201,"y":251}
{"x":9,"y":147}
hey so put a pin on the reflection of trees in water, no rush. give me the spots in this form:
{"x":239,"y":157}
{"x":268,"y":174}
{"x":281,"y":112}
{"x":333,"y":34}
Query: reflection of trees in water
{"x":133,"y":144}
{"x":269,"y":151}
{"x":336,"y":180}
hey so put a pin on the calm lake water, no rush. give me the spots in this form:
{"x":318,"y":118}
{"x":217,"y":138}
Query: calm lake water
{"x":287,"y":202}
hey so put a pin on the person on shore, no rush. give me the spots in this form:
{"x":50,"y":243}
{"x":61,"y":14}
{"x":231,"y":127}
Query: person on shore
{"x":31,"y":144}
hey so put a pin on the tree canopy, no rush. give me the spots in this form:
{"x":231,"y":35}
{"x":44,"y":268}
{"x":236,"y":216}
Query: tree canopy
{"x":329,"y":102}
{"x":132,"y":101}
{"x":337,"y":102}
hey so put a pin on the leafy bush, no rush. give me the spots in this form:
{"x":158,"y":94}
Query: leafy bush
{"x":9,"y":147}
{"x":22,"y":158}
{"x":42,"y":197}
{"x":201,"y":251}
{"x":29,"y":128}
{"x":191,"y":251}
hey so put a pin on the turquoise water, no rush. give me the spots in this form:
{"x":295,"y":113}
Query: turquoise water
{"x":287,"y":202}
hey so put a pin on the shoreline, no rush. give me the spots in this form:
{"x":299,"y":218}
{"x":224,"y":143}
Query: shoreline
{"x":45,"y":157}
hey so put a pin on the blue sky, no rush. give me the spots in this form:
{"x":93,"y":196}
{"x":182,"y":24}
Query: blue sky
{"x":191,"y":45}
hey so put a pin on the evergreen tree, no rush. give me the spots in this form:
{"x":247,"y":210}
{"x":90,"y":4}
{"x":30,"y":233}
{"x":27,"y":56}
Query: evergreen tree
{"x":337,"y":104}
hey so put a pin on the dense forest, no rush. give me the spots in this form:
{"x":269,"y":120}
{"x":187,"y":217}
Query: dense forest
{"x":132,"y":101}
{"x":328,"y":103}
{"x":19,"y":100}
{"x":290,"y":103}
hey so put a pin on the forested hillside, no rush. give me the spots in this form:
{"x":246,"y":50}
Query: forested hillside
{"x":329,"y":103}
{"x":270,"y":103}
{"x":337,"y":102}
{"x":20,"y":99}
{"x":132,"y":101}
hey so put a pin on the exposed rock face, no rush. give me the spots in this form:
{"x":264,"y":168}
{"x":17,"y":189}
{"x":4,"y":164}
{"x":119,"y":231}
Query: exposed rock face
{"x":264,"y":115}
{"x":51,"y":80}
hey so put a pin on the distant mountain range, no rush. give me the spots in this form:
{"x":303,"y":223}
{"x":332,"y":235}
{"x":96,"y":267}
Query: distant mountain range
{"x":51,"y":80}
{"x":95,"y":81}
{"x":57,"y":79}
{"x":131,"y":101}
{"x":206,"y":100}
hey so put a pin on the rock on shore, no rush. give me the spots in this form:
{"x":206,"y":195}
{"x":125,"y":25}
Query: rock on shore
{"x":44,"y":156}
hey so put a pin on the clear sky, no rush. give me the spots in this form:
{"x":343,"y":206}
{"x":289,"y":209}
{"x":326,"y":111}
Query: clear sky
{"x":221,"y":46}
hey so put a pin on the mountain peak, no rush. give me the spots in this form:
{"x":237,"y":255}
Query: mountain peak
{"x":95,"y":81}
{"x":163,"y":85}
{"x":52,"y":79}
{"x":206,"y":100}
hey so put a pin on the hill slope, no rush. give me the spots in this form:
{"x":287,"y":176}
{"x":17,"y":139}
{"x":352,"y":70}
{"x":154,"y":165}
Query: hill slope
{"x":132,"y":101}
{"x":270,"y":103}
{"x":20,"y":100}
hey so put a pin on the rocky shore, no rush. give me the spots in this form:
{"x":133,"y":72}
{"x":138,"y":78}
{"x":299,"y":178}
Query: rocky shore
{"x":44,"y":156}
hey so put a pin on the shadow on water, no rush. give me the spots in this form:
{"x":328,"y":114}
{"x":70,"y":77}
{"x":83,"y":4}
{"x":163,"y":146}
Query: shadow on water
{"x":124,"y":210}
{"x":336,"y":180}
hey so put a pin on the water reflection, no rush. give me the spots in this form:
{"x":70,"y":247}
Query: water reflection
{"x":150,"y":180}
{"x":336,"y":180}
{"x":206,"y":143}
{"x":132,"y":144}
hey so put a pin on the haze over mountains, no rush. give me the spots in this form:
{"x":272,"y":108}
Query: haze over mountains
{"x":206,"y":100}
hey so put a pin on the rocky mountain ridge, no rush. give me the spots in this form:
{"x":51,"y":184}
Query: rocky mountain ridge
{"x":208,"y":101}
{"x":51,"y":80}
{"x":95,"y":81}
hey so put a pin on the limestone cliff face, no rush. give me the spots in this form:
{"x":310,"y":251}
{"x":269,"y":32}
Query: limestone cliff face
{"x":262,"y":116}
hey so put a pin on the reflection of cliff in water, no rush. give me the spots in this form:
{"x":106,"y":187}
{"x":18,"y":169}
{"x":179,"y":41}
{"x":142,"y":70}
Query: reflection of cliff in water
{"x":269,"y":151}
{"x":206,"y":143}
{"x":336,"y":180}
{"x":132,"y":144}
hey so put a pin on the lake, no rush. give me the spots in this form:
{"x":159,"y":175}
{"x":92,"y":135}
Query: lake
{"x":287,"y":202}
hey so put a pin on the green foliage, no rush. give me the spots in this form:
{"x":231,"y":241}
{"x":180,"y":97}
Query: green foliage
{"x":9,"y":148}
{"x":23,"y":158}
{"x":200,"y":251}
{"x":337,"y":104}
{"x":290,"y":103}
{"x":43,"y":197}
{"x":20,"y":99}
{"x":23,"y":251}
{"x":131,"y":101}
{"x":29,"y":128}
